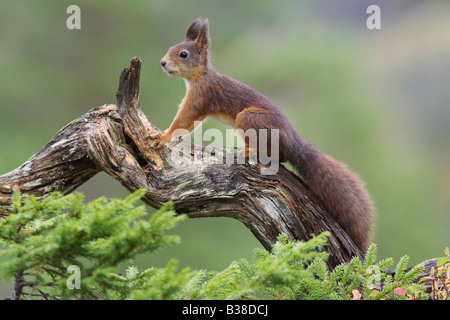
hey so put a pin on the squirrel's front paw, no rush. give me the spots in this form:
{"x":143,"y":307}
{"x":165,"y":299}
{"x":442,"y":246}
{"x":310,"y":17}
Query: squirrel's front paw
{"x":158,"y":140}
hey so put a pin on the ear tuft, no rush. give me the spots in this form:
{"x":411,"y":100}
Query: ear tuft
{"x":202,"y":39}
{"x":193,"y":30}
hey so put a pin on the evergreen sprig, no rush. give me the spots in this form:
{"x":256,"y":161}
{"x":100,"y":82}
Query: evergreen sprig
{"x":363,"y":280}
{"x":43,"y":238}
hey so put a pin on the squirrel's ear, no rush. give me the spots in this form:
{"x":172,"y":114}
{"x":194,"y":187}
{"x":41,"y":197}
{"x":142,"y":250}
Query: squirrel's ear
{"x":193,"y":30}
{"x":202,"y":39}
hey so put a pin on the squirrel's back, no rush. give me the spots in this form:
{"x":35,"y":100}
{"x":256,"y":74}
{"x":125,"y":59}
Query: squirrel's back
{"x":337,"y":189}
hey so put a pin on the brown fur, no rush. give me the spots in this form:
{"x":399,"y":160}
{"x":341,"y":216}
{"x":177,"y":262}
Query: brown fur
{"x":210,"y":93}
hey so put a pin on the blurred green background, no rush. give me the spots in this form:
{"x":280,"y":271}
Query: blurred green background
{"x":378,"y":100}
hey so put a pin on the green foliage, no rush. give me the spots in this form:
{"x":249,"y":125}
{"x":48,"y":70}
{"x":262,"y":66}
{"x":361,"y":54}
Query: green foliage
{"x":270,"y":275}
{"x":363,"y":280}
{"x":43,"y":239}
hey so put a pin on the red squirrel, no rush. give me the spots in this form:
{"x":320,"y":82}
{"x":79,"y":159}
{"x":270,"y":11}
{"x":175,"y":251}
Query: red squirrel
{"x":212,"y":94}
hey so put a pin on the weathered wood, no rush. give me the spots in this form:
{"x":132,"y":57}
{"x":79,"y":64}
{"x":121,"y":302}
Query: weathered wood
{"x":200,"y":183}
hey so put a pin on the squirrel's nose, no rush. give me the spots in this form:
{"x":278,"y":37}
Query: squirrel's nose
{"x":163,"y":63}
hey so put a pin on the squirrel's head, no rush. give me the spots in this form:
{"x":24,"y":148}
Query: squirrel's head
{"x":190,"y":58}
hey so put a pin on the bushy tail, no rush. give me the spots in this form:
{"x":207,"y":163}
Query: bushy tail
{"x":338,"y":190}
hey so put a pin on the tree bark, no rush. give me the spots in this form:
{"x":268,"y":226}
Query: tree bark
{"x":200,"y":183}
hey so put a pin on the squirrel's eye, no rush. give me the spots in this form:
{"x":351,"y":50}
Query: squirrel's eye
{"x":184,"y":54}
